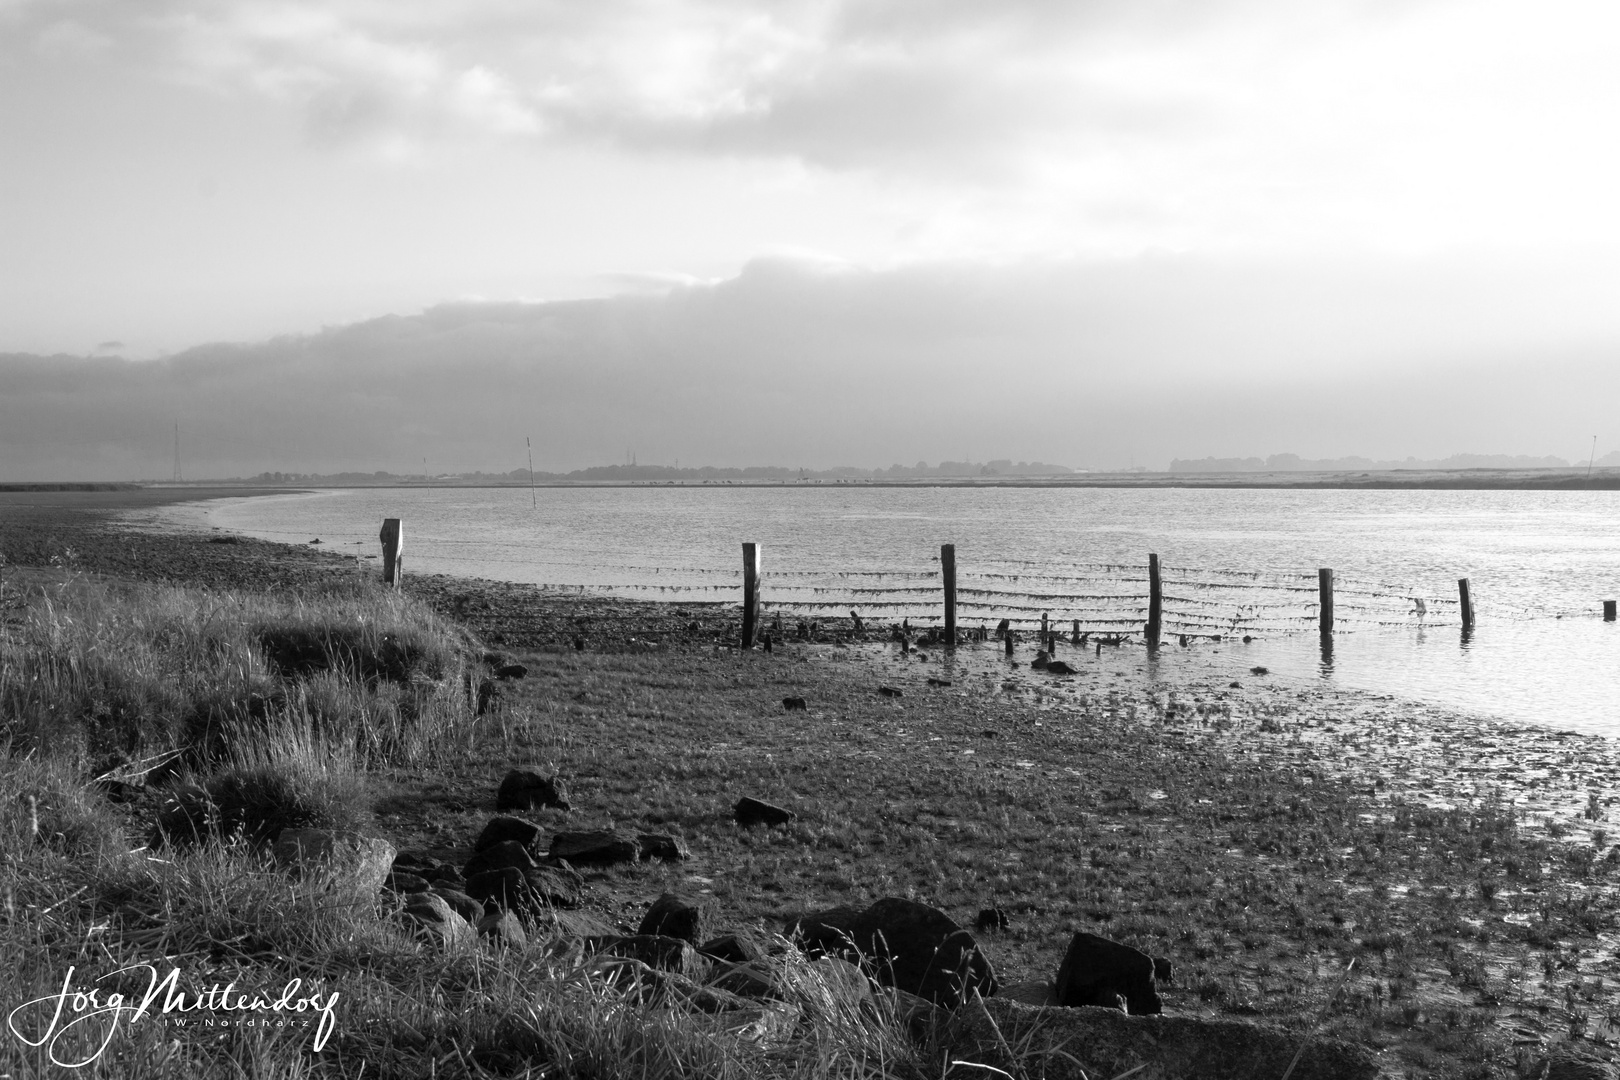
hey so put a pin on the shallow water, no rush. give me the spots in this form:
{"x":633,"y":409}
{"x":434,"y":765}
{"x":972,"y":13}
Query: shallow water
{"x":1237,"y":562}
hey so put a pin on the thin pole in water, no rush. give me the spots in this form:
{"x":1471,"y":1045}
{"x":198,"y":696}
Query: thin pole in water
{"x":1592,"y":458}
{"x":532,"y":501}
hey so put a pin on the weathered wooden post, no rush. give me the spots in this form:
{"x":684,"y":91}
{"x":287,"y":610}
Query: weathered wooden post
{"x":1608,"y":611}
{"x":947,"y":573}
{"x":1075,"y":637}
{"x":1045,"y":633}
{"x":393,"y":545}
{"x":750,"y":594}
{"x":1155,"y":603}
{"x":1324,"y":592}
{"x":1466,"y":600}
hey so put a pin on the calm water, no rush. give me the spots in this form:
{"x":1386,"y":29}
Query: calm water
{"x":1236,"y":562}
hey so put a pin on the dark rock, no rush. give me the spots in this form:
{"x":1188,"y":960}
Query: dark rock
{"x":599,"y":847}
{"x":1097,"y":971}
{"x":991,"y":919}
{"x":750,"y":811}
{"x":460,"y":903}
{"x":792,"y":703}
{"x":658,"y":953}
{"x":889,"y":691}
{"x":525,"y":788}
{"x":731,"y":949}
{"x":1041,"y":661}
{"x":504,"y":828}
{"x":503,"y":928}
{"x":1047,"y":1041}
{"x":907,"y":945}
{"x":1259,"y":670}
{"x":1163,"y":971}
{"x":529,"y":893}
{"x":511,"y":671}
{"x":1563,"y":1066}
{"x":401,"y":882}
{"x":496,"y":856}
{"x":670,"y":916}
{"x":939,"y":682}
{"x":1058,"y":667}
{"x":447,"y":876}
{"x":662,"y":847}
{"x":433,"y":920}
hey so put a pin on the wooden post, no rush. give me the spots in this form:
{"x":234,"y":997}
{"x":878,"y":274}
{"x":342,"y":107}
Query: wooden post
{"x":1045,"y":633}
{"x":750,"y":594}
{"x":1608,"y":611}
{"x":1155,"y":603}
{"x":393,"y":547}
{"x":1324,"y":592}
{"x":1466,"y":600}
{"x":1076,"y":636}
{"x":947,"y":573}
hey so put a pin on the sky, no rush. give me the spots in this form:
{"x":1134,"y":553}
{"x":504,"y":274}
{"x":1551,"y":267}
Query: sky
{"x":806,"y":232}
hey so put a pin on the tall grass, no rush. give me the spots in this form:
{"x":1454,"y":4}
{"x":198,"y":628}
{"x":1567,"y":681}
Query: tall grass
{"x":128,"y":672}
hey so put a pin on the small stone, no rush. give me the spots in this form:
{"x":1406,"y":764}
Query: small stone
{"x":673,"y":917}
{"x":730,"y":949}
{"x":401,"y":882}
{"x":506,"y":853}
{"x":599,"y":847}
{"x":460,"y":903}
{"x":504,"y":828}
{"x":792,"y":703}
{"x":662,"y":847}
{"x":889,"y":691}
{"x":751,"y":811}
{"x":502,"y":928}
{"x":991,"y":919}
{"x":511,"y":671}
{"x":432,"y":919}
{"x":658,"y":953}
{"x":522,"y":789}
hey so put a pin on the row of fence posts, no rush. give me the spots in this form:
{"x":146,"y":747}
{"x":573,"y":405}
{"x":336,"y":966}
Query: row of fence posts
{"x":393,"y":548}
{"x":1152,"y":631}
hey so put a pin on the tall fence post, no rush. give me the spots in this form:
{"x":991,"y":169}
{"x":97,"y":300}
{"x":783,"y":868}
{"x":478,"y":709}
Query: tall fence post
{"x":1324,"y":592}
{"x":750,"y":594}
{"x":1466,"y":600}
{"x":1608,"y":611}
{"x":393,"y":546}
{"x":947,"y":573}
{"x":1155,"y":603}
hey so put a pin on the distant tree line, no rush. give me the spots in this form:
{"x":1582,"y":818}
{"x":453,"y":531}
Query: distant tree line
{"x":1295,"y":463}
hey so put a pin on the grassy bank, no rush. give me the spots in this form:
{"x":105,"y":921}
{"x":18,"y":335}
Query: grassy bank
{"x":1260,"y":839}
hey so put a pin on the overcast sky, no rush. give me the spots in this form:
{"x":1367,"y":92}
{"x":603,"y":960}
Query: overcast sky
{"x":1301,"y":207}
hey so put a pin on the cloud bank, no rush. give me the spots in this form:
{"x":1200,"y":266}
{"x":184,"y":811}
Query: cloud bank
{"x":796,"y":364}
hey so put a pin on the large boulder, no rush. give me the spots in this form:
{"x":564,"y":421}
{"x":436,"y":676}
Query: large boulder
{"x":522,"y":789}
{"x":601,"y":847}
{"x":905,"y":944}
{"x":345,"y":862}
{"x":673,"y":917}
{"x":1070,"y":1044}
{"x":1100,"y":972}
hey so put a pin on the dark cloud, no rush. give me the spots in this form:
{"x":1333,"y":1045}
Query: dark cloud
{"x":1081,"y":364}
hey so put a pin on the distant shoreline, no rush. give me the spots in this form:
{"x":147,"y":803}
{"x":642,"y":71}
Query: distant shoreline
{"x":1606,"y":479}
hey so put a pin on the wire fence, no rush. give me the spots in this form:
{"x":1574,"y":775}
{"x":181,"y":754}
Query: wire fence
{"x":1093,"y":598}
